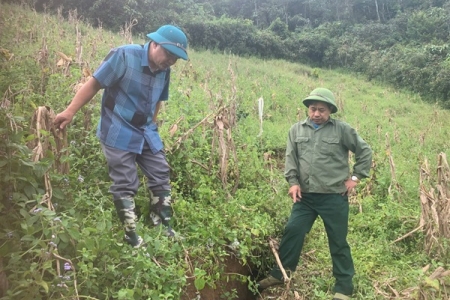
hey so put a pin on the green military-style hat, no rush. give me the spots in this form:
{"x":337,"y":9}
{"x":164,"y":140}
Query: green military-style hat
{"x":323,"y":95}
{"x":172,"y":39}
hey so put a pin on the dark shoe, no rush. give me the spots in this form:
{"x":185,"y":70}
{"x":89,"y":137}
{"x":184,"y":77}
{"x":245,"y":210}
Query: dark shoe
{"x":172,"y":234}
{"x":339,"y":296}
{"x":169,"y":232}
{"x":135,"y":243}
{"x":268,"y":282}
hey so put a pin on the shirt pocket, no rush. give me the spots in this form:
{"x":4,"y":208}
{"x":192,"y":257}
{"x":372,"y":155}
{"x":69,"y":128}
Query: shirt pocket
{"x":330,"y":146}
{"x":302,"y":144}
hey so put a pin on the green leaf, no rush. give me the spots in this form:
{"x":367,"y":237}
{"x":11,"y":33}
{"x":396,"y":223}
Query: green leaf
{"x":29,"y":190}
{"x":75,"y":234}
{"x":6,"y":247}
{"x":32,"y":220}
{"x":27,"y":163}
{"x":255,"y":231}
{"x":199,"y":283}
{"x":43,"y":284}
{"x":64,"y":237}
{"x":58,"y":194}
{"x":24,"y":213}
{"x":48,"y":213}
{"x":125,"y":294}
{"x":30,"y":137}
{"x":101,"y":226}
{"x":434,"y":283}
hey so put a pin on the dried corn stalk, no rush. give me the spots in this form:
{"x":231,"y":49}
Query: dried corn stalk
{"x":435,"y":208}
{"x":435,"y":204}
{"x":224,"y":122}
{"x":126,"y":31}
{"x":42,"y":55}
{"x":223,"y":119}
{"x":395,"y":185}
{"x":64,"y":63}
{"x":42,"y":122}
{"x":87,"y":74}
{"x":78,"y":47}
{"x":434,"y":286}
{"x":6,"y":54}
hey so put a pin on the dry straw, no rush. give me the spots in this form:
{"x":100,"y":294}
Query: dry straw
{"x":48,"y":139}
{"x":435,"y":225}
{"x":222,"y":121}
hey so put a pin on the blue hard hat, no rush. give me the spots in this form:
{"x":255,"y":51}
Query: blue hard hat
{"x":172,"y":39}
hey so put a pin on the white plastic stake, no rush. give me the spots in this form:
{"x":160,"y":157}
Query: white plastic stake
{"x":261,"y":112}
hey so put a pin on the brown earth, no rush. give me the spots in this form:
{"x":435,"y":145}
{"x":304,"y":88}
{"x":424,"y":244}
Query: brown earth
{"x":226,"y":284}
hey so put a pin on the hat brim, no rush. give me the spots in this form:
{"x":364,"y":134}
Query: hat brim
{"x":178,"y":52}
{"x":307,"y":102}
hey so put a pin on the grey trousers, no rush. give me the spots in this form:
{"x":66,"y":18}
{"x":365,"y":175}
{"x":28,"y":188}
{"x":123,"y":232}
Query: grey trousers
{"x":122,"y":169}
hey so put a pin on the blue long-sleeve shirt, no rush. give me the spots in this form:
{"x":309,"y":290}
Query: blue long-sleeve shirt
{"x":129,"y":100}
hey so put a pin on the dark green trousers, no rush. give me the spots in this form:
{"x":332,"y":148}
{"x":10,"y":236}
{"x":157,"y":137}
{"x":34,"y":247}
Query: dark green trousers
{"x":333,"y":209}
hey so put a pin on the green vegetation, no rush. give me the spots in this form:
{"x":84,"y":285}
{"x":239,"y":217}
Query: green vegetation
{"x":217,"y":204}
{"x":402,"y":43}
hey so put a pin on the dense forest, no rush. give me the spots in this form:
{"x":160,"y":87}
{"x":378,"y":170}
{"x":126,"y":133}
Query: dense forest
{"x":400,"y":42}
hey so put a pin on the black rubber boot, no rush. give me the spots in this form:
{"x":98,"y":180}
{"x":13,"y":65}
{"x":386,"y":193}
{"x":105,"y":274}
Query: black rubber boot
{"x":161,"y":210}
{"x":125,"y":209}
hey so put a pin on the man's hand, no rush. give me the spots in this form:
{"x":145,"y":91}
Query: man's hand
{"x":83,"y":96}
{"x":62,"y":119}
{"x":295,"y":193}
{"x":350,"y":185}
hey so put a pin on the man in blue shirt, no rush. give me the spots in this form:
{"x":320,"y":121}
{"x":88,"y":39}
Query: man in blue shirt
{"x":135,"y":79}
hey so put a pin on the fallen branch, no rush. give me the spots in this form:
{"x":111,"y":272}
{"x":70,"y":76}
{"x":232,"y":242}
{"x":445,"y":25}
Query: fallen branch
{"x":181,"y":139}
{"x":58,"y":257}
{"x":408,"y":234}
{"x":287,"y":279}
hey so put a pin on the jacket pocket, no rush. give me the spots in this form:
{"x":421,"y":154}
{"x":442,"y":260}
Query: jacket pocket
{"x":330,"y":146}
{"x":302,"y":144}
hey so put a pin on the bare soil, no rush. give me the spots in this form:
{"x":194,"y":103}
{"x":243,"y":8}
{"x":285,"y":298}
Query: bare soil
{"x":226,"y":284}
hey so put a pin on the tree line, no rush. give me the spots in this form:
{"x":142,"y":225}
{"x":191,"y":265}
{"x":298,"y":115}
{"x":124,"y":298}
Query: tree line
{"x":400,"y":42}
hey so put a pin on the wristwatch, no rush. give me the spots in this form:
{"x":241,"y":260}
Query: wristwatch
{"x":355,"y":179}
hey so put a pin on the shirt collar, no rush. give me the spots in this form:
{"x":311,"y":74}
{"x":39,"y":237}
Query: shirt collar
{"x":309,"y":122}
{"x":144,"y":57}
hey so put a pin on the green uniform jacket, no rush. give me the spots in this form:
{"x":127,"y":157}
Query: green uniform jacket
{"x":318,"y":159}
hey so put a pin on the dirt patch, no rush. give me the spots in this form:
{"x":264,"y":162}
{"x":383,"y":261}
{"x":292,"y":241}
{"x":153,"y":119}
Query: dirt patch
{"x":227,"y":284}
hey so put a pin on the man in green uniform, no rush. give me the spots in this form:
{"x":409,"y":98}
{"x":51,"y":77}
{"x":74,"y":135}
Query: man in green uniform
{"x":320,"y":180}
